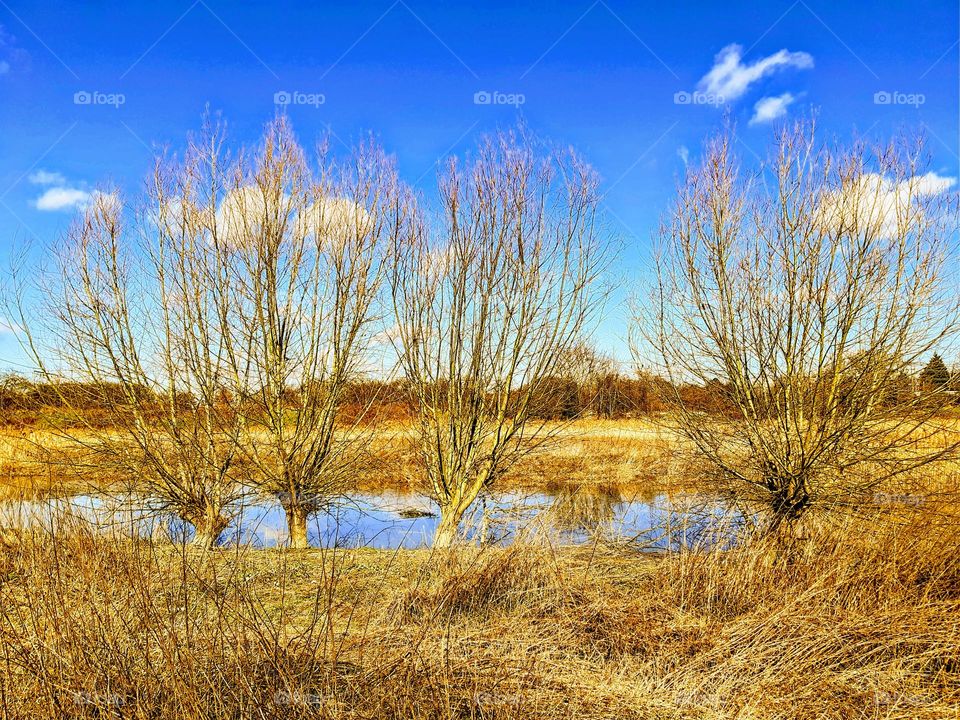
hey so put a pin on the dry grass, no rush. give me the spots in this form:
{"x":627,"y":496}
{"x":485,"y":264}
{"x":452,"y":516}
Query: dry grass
{"x":854,"y":620}
{"x":628,"y":454}
{"x":635,"y":456}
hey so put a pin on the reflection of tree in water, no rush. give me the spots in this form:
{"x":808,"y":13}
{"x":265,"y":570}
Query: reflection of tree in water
{"x":583,"y":510}
{"x":694,"y":520}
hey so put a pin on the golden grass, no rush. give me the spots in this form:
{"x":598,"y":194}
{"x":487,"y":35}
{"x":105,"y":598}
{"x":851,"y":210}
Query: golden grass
{"x":857,"y":620}
{"x":628,"y":454}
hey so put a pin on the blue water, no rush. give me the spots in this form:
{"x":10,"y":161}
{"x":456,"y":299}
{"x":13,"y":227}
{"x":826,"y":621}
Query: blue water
{"x":382,"y":521}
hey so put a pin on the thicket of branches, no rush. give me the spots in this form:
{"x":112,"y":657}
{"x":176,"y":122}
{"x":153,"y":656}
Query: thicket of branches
{"x":217,"y":335}
{"x":811,"y":290}
{"x":488,"y":303}
{"x":299,"y":245}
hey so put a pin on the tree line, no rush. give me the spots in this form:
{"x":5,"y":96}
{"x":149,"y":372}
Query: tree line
{"x":607,"y":395}
{"x":596,"y":390}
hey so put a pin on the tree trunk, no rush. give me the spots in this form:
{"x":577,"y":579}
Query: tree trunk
{"x":207,"y":529}
{"x":789,"y":500}
{"x":451,"y":514}
{"x":447,"y":529}
{"x":296,"y":526}
{"x":484,"y":532}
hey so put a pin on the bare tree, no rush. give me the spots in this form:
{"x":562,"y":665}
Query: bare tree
{"x":126,"y":325}
{"x":809,"y":290}
{"x":307,"y":246}
{"x":595,"y":376}
{"x":486,"y":306}
{"x":231,"y":321}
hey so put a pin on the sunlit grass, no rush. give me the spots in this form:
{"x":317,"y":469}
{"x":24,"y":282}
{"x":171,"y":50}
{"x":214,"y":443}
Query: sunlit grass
{"x":852,"y":620}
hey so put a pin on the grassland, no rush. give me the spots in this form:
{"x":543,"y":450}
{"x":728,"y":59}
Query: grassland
{"x":636,"y":455}
{"x":854,"y":616}
{"x":858,"y":621}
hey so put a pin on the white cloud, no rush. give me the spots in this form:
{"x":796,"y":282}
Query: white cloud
{"x":238,"y":218}
{"x":10,"y":53}
{"x":101,"y":204}
{"x":873,"y":203}
{"x":770,"y":108}
{"x":46,"y":177}
{"x":389,"y":336}
{"x":933,"y":184}
{"x":61,"y":194}
{"x":63,"y":198}
{"x":683,"y":152}
{"x":729,"y":78}
{"x":240,"y":212}
{"x":335,"y":219}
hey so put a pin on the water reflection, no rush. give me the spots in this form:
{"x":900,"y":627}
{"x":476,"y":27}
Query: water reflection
{"x":584,"y":512}
{"x":390,"y":520}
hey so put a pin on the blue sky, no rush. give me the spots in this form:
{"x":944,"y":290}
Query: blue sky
{"x":88,"y":90}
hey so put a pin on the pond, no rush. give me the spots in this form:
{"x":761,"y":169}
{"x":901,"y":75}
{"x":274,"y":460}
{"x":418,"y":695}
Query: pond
{"x":392,"y":520}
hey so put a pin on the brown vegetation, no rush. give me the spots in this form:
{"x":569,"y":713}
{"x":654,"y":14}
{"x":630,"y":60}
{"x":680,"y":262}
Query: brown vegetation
{"x":849,"y":621}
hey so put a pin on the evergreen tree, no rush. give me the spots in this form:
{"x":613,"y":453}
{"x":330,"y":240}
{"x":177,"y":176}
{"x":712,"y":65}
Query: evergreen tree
{"x":935,"y":374}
